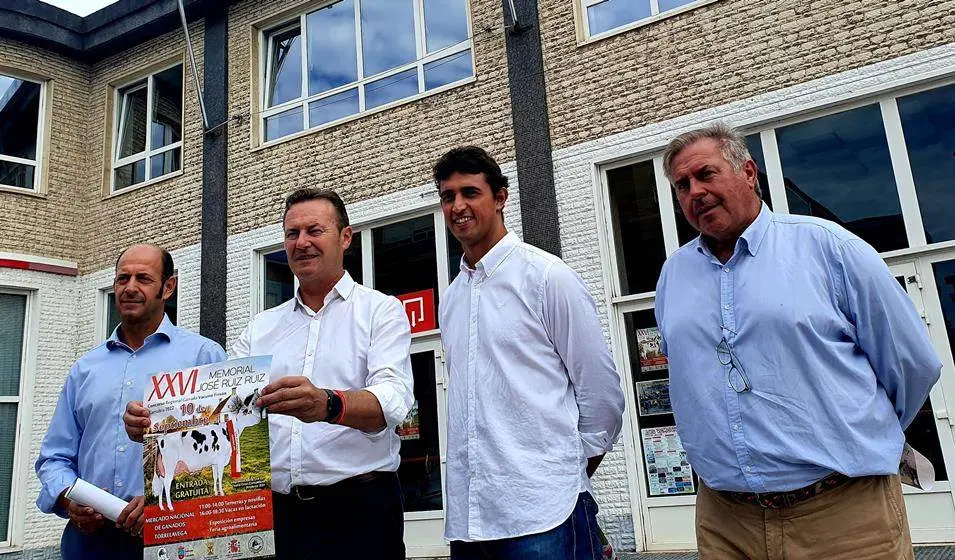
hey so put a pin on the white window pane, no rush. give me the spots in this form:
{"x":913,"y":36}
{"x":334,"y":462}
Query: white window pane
{"x":12,"y":317}
{"x":332,"y":49}
{"x":394,"y":87}
{"x":285,"y":123}
{"x":448,"y":70}
{"x":17,"y":174}
{"x":838,"y":167}
{"x":445,"y":23}
{"x":132,"y":123}
{"x":8,"y":431}
{"x":164,"y":163}
{"x":387,"y":34}
{"x":333,"y":107}
{"x":285,"y":72}
{"x":610,"y":14}
{"x":19,"y":114}
{"x":130,"y":174}
{"x":673,"y":4}
{"x":167,"y":108}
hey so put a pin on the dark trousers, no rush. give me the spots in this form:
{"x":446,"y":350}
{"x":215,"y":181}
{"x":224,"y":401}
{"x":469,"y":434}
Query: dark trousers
{"x":106,"y":542}
{"x":360,"y":517}
{"x":577,"y":538}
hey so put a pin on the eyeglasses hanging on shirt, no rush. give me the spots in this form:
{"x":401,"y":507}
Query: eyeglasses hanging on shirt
{"x":735,"y":377}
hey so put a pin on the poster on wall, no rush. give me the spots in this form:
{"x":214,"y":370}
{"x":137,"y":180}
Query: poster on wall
{"x":206,"y":463}
{"x":668,"y":471}
{"x":653,"y":397}
{"x":651,"y":354}
{"x":410,"y":428}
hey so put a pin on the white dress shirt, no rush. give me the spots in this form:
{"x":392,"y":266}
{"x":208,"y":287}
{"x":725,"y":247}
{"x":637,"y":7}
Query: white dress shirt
{"x":360,"y":339}
{"x":533,"y":393}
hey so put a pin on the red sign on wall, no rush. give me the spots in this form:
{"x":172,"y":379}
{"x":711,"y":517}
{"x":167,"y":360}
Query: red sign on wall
{"x":420,"y":309}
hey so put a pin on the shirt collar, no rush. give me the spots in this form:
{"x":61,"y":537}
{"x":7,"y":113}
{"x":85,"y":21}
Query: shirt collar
{"x":343,"y":288}
{"x":166,"y":329}
{"x":752,"y":236}
{"x":494,"y":258}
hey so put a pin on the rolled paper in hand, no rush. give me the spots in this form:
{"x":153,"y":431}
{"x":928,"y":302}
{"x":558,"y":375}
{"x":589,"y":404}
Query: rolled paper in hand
{"x":100,"y":500}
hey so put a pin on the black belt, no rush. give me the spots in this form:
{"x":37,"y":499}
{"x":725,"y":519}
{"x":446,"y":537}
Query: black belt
{"x":779,"y":500}
{"x":312,"y":492}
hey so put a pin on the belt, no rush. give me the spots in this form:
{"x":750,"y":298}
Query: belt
{"x":779,"y":500}
{"x":311,"y":492}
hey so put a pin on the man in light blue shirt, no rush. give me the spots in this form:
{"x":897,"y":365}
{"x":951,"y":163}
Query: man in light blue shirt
{"x":796,"y":362}
{"x":86,"y":438}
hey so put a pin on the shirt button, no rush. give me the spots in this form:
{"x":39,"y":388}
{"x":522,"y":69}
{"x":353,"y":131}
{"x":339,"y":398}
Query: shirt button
{"x":121,"y":448}
{"x":749,"y":469}
{"x":727,"y":307}
{"x":735,"y":427}
{"x":119,"y":483}
{"x":727,"y":269}
{"x":129,"y":383}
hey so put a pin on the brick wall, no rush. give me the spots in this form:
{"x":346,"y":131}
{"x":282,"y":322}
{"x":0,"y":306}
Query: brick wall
{"x":718,"y":53}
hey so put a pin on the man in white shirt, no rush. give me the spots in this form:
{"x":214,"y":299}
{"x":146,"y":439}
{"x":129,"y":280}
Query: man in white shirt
{"x":534,"y":400}
{"x":341,"y":382}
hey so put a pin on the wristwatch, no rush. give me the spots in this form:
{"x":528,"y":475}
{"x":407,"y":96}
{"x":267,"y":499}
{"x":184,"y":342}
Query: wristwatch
{"x":333,"y":406}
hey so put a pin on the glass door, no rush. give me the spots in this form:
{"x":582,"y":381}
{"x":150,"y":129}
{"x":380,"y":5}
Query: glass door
{"x":423,"y":445}
{"x":932,"y":513}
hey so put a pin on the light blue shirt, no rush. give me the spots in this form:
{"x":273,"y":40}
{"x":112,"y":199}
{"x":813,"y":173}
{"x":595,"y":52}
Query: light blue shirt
{"x":87,"y":437}
{"x":837,"y":357}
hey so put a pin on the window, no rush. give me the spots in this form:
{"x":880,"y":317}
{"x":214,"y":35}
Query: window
{"x":352,"y":56}
{"x":111,"y":315}
{"x":601,"y":16}
{"x":13,"y":321}
{"x":20,"y":126}
{"x":147,"y":141}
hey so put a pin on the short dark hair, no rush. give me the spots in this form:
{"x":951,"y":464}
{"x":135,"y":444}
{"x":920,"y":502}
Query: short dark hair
{"x":311,"y":193}
{"x":470,"y":160}
{"x":168,"y":268}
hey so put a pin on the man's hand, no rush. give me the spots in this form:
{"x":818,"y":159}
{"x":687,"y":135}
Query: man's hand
{"x":131,"y":518}
{"x":295,"y":396}
{"x":84,"y":518}
{"x":136,"y":419}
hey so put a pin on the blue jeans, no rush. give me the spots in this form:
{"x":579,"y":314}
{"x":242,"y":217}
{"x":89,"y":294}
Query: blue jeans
{"x":574,"y":539}
{"x":106,"y":542}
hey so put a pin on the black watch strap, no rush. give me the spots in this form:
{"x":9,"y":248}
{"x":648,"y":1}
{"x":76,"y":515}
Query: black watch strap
{"x":333,"y":406}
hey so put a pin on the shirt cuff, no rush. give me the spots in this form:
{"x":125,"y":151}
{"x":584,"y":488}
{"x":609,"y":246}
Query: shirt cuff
{"x":392,"y":407}
{"x":596,"y":443}
{"x":47,"y":500}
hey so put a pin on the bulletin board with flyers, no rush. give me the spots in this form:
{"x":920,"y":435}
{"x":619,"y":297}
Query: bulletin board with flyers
{"x":666,"y":470}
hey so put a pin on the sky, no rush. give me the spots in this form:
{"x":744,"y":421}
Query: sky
{"x":80,"y":7}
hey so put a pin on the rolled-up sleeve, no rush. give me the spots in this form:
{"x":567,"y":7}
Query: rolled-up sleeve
{"x":889,"y":330}
{"x":570,"y":317}
{"x":390,"y":377}
{"x":56,"y":466}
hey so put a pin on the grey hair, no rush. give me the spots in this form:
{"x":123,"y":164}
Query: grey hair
{"x":732,"y":146}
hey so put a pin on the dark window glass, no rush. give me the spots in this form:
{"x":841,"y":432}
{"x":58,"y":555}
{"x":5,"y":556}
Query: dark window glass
{"x":284,"y":123}
{"x":928,"y":121}
{"x":285,"y":72}
{"x":448,"y":70}
{"x":455,"y":252}
{"x":352,"y":258}
{"x":166,"y":162}
{"x":755,"y":146}
{"x":666,"y":5}
{"x":635,"y":214}
{"x":387,"y":35}
{"x":8,"y":434}
{"x":13,"y":309}
{"x":132,"y":124}
{"x":167,"y":108}
{"x":420,"y":467}
{"x":611,"y":14}
{"x":17,"y":174}
{"x":445,"y":23}
{"x":332,"y":49}
{"x":333,"y":107}
{"x":19,"y":117}
{"x":406,"y":258}
{"x":395,"y":87}
{"x":279,"y":281}
{"x":838,"y":168}
{"x":130,"y":174}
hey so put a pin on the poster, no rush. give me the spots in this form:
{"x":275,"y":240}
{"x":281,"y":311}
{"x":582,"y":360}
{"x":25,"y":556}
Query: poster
{"x":668,"y":472}
{"x":653,"y":397}
{"x":206,"y":463}
{"x":651,"y":354}
{"x":410,"y":428}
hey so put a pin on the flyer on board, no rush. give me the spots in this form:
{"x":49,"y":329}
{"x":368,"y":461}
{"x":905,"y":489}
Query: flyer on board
{"x":206,"y":463}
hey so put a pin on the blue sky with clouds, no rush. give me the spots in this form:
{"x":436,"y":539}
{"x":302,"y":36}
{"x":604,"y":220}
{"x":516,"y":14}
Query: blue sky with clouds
{"x":80,"y":7}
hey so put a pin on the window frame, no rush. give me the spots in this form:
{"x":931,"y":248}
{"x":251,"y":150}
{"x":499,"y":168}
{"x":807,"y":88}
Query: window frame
{"x":42,"y":137}
{"x":266,"y":31}
{"x":24,"y":400}
{"x":119,"y":99}
{"x":655,"y":16}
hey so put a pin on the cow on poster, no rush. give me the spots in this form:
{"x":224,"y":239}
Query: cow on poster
{"x":206,"y":463}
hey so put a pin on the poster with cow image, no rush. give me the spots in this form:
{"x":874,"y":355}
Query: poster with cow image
{"x":206,"y":463}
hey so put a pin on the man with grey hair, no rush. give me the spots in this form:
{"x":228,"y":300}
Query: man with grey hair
{"x":796,"y":362}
